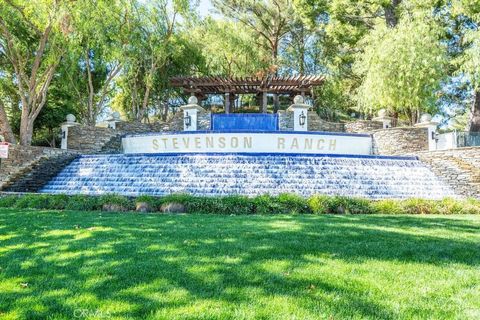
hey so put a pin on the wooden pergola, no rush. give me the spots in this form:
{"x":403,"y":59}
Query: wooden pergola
{"x":261,"y":86}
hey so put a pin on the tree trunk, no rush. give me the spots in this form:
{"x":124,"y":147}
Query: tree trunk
{"x":165,"y":110}
{"x":390,"y":13}
{"x":5,"y":126}
{"x":302,"y":50}
{"x":475,"y":117}
{"x":26,"y":131}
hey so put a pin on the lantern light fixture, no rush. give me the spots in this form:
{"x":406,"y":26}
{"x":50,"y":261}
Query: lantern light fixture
{"x":301,"y":119}
{"x":187,"y":120}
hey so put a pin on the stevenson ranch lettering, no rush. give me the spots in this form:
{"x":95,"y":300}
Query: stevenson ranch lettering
{"x":249,"y":143}
{"x":202,"y":143}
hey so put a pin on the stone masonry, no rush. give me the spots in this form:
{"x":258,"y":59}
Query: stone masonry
{"x":400,"y":141}
{"x":460,"y":168}
{"x":315,"y":123}
{"x":363,"y":126}
{"x":88,"y":139}
{"x":23,"y":161}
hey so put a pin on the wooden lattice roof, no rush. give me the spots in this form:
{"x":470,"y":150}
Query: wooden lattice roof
{"x":240,"y":85}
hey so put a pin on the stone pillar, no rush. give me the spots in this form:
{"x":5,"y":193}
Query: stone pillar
{"x":264,"y":102}
{"x":190,"y":114}
{"x":426,"y":122}
{"x":276,"y":102}
{"x":300,"y":114}
{"x":113,"y":120}
{"x":70,"y":123}
{"x":382,"y":117}
{"x":227,"y":102}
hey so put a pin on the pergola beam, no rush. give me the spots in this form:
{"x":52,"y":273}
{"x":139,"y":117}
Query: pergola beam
{"x":231,"y":86}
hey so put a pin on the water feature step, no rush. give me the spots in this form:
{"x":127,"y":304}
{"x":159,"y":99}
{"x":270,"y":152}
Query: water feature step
{"x":253,"y":174}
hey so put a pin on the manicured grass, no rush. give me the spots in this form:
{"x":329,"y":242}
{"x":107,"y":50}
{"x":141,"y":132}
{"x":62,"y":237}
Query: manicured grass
{"x":67,"y":265}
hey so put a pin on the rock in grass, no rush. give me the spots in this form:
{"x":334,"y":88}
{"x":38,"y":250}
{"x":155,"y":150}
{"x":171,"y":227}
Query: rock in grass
{"x":172,"y":207}
{"x":113,"y":207}
{"x":143,"y":207}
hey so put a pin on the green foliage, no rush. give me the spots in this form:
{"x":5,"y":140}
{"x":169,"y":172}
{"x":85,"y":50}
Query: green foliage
{"x":291,"y":203}
{"x":150,"y":200}
{"x":8,"y":201}
{"x":229,"y":49}
{"x":241,"y":205}
{"x":470,"y":60}
{"x":83,"y":203}
{"x":339,"y":205}
{"x":113,"y":199}
{"x":42,"y":201}
{"x":387,"y":206}
{"x":265,"y":204}
{"x":402,"y":68}
{"x":419,"y":206}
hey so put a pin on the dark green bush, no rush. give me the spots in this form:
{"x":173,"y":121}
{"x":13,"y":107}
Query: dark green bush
{"x":292,"y":203}
{"x":339,"y":205}
{"x":8,"y":201}
{"x":33,"y":201}
{"x":42,"y":201}
{"x":240,"y":205}
{"x":83,"y":203}
{"x":220,"y":205}
{"x":265,"y":204}
{"x":234,"y":205}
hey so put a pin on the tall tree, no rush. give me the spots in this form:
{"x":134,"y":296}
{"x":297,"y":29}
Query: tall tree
{"x":402,"y":68}
{"x":228,"y":48}
{"x":270,"y":20}
{"x":5,"y":126}
{"x":341,"y":25}
{"x":7,"y":95}
{"x":101,"y":30}
{"x":470,"y":61}
{"x":32,"y":37}
{"x":151,"y":39}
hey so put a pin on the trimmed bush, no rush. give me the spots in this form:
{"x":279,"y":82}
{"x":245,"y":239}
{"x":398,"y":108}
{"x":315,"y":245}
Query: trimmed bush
{"x":318,"y":204}
{"x":292,"y":203}
{"x":40,"y":201}
{"x":420,"y":206}
{"x":340,"y":205}
{"x":8,"y":201}
{"x":266,"y":204}
{"x":83,"y":203}
{"x":241,"y":205}
{"x":387,"y":207}
{"x":469,"y":206}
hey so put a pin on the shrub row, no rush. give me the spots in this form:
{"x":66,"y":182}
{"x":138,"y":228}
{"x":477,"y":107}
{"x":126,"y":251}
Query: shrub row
{"x":240,"y":205}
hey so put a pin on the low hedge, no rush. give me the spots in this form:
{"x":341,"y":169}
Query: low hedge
{"x":240,"y":205}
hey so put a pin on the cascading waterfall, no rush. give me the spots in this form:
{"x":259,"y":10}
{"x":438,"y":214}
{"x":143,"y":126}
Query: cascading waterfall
{"x":373,"y":177}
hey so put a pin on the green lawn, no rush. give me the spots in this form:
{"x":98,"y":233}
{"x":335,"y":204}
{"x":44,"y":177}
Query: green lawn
{"x":68,"y":265}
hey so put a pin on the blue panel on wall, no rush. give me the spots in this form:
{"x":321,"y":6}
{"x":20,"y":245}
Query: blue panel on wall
{"x":245,"y":121}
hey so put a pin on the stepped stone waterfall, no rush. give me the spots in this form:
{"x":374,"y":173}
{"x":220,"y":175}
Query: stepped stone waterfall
{"x":373,"y":177}
{"x":251,"y":154}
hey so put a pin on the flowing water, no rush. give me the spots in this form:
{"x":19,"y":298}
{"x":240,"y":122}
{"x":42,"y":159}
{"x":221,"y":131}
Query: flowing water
{"x":253,"y":174}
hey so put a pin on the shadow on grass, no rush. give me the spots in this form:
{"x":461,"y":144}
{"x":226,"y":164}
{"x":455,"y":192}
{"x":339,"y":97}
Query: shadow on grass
{"x":139,"y":265}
